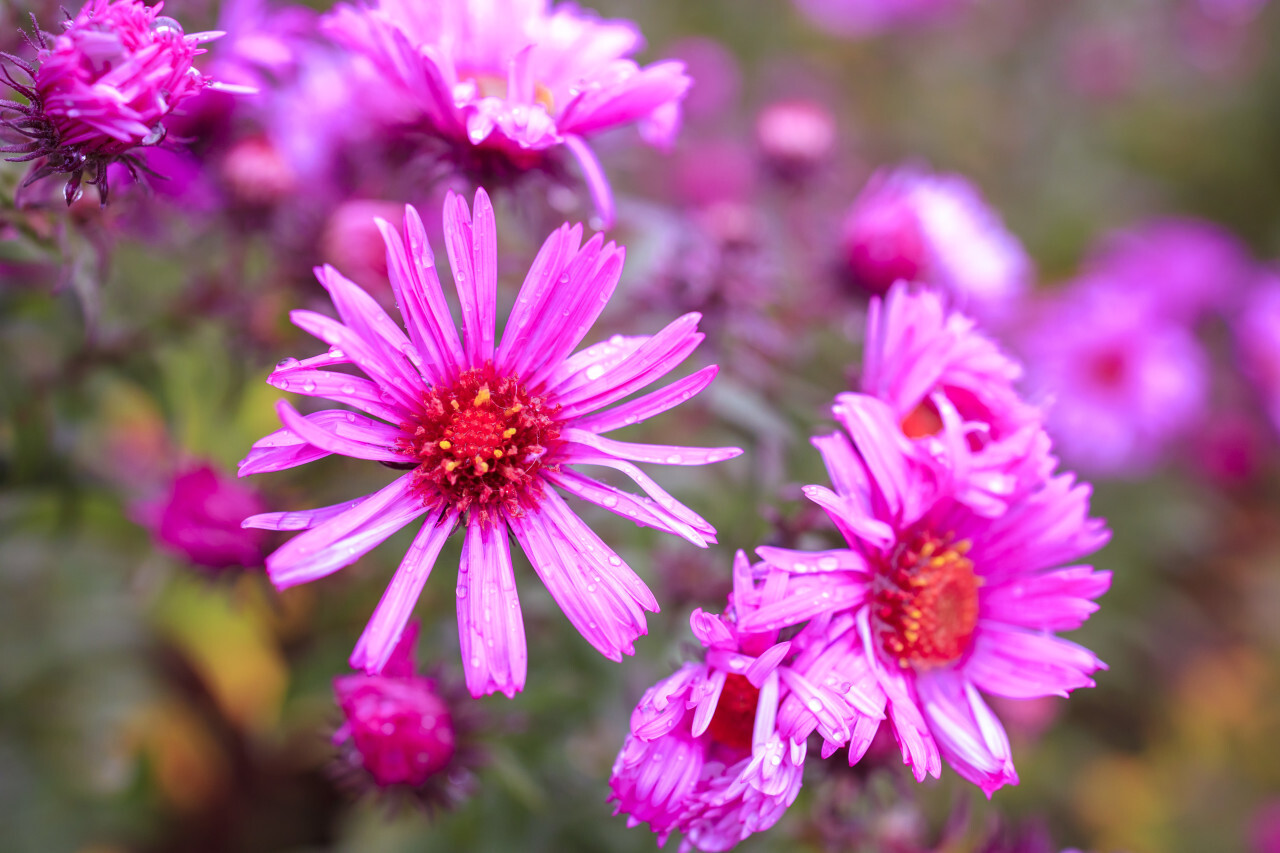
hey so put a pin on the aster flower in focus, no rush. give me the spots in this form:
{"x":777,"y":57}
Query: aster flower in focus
{"x":199,"y":519}
{"x":706,"y":754}
{"x":951,"y":388}
{"x":933,"y":604}
{"x":485,"y":429}
{"x":935,"y":229}
{"x":100,"y":91}
{"x":503,"y":84}
{"x":1124,"y":380}
{"x":400,"y":733}
{"x":1257,"y":333}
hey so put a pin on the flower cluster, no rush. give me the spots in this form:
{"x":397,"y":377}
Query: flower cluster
{"x":100,"y":90}
{"x":957,"y":572}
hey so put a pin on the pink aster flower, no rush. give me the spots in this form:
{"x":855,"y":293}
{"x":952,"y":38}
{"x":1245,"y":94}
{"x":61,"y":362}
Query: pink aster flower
{"x":933,"y":604}
{"x":935,"y":229}
{"x":1257,"y":333}
{"x":399,"y":731}
{"x":486,"y":429}
{"x":100,"y":90}
{"x":1124,"y":380}
{"x":951,"y":389}
{"x":706,"y":754}
{"x":199,"y":519}
{"x":501,"y":84}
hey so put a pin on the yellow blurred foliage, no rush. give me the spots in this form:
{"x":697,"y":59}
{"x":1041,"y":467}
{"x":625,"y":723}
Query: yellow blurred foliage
{"x":187,"y":763}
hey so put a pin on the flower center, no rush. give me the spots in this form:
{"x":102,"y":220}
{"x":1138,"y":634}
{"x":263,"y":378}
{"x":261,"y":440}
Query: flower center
{"x":734,"y":721}
{"x":922,"y":421}
{"x":924,"y":602}
{"x":495,"y":86}
{"x":480,"y":444}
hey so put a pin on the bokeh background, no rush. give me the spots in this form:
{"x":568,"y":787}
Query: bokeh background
{"x":147,"y":704}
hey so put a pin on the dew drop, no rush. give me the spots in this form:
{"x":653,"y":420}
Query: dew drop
{"x":595,"y":371}
{"x":309,"y":386}
{"x":736,"y":663}
{"x":609,"y":501}
{"x":615,"y":560}
{"x":462,"y":592}
{"x":814,"y":705}
{"x":165,"y":24}
{"x":675,"y":459}
{"x":348,"y":388}
{"x":828,"y":564}
{"x":334,"y":352}
{"x":287,"y":364}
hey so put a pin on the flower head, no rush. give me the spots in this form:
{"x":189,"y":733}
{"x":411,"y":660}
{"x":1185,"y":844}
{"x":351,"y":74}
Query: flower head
{"x":951,"y":389}
{"x":706,"y":754}
{"x":101,"y":89}
{"x":937,"y":230}
{"x":1124,"y":380}
{"x":200,"y":519}
{"x":486,"y":429}
{"x":399,"y":729}
{"x":500,"y":84}
{"x":932,"y":603}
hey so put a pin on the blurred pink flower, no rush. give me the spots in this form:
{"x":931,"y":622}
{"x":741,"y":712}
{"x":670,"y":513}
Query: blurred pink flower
{"x":199,"y":519}
{"x":951,"y":389}
{"x":937,"y":230}
{"x":1257,"y":333}
{"x":397,"y":727}
{"x":502,"y":83}
{"x":352,"y":241}
{"x":795,"y":136}
{"x":855,"y":18}
{"x":1124,"y":381}
{"x":932,"y":602}
{"x":706,"y":755}
{"x":485,"y":430}
{"x":102,"y":89}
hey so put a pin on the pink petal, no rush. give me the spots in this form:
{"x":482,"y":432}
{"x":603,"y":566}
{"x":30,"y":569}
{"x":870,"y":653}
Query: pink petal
{"x":1059,"y":600}
{"x":490,"y":626}
{"x":627,"y":505}
{"x":530,"y":326}
{"x":473,"y":256}
{"x":659,"y":454}
{"x":346,"y":436}
{"x":597,"y":181}
{"x":1020,"y":664}
{"x":653,"y":403}
{"x":968,"y":734}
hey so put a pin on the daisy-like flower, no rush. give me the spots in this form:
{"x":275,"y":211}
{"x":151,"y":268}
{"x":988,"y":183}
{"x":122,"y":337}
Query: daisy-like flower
{"x":952,"y":389}
{"x":706,"y":755}
{"x":1124,"y":380}
{"x":933,"y":604}
{"x":502,"y":83}
{"x":486,"y":429}
{"x":100,"y":90}
{"x":935,"y":229}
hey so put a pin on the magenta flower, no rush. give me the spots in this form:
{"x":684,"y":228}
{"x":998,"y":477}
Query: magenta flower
{"x":502,"y":84}
{"x":936,"y":230}
{"x":100,"y":90}
{"x":705,"y":755}
{"x":932,"y":602}
{"x":199,"y":519}
{"x":399,"y":731}
{"x":1124,"y":380}
{"x":951,"y":389}
{"x":1257,"y":333}
{"x":486,"y":430}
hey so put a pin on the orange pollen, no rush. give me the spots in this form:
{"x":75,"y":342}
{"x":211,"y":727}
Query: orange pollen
{"x":924,"y":602}
{"x":480,"y":443}
{"x":922,"y":421}
{"x":734,"y":721}
{"x":495,"y":86}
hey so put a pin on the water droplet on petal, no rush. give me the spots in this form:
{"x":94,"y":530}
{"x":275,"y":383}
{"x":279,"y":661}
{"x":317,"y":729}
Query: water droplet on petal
{"x":828,"y":564}
{"x":309,"y":386}
{"x":675,"y":459}
{"x":348,"y":388}
{"x":165,"y":24}
{"x":595,"y":371}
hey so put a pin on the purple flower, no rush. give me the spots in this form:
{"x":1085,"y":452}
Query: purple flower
{"x":1185,"y":267}
{"x":100,"y":90}
{"x":795,"y":136}
{"x":200,"y":517}
{"x":398,"y":729}
{"x":1257,"y":333}
{"x":501,"y":84}
{"x":1124,"y":380}
{"x":937,"y":230}
{"x":932,"y":602}
{"x":705,"y":755}
{"x":856,"y":18}
{"x":951,"y":389}
{"x":486,"y":428}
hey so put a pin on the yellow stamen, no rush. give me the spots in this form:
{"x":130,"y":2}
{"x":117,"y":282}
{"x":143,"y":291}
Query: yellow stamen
{"x":482,"y":396}
{"x":446,"y":444}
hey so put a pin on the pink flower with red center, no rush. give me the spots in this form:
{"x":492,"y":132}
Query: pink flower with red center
{"x":707,"y":754}
{"x":399,"y":731}
{"x":952,"y":390}
{"x":932,"y":603}
{"x":200,"y":517}
{"x":486,"y":428}
{"x":102,"y":89}
{"x":503,"y":84}
{"x":937,"y":230}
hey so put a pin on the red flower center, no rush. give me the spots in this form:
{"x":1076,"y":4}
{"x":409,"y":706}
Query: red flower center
{"x":922,"y":421}
{"x":480,"y":444}
{"x":734,"y":721}
{"x":924,"y":602}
